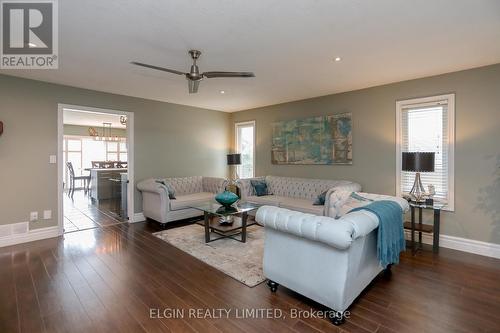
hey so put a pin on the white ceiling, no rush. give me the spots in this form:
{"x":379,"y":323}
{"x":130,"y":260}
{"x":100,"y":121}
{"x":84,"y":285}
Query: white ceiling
{"x":85,"y":118}
{"x":289,"y":44}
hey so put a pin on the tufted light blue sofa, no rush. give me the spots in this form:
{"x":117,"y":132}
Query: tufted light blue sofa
{"x":327,"y":260}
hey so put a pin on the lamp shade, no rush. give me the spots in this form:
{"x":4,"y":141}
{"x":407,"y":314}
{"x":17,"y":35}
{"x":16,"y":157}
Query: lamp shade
{"x":233,"y":159}
{"x":418,"y":161}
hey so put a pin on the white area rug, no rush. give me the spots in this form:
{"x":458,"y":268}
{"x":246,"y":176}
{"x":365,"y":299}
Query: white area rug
{"x":241,"y":261}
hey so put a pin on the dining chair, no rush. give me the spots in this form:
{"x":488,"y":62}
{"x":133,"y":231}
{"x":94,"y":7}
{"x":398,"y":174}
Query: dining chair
{"x":73,"y":178}
{"x":108,"y":165}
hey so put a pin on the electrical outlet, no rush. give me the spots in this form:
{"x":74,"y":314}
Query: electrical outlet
{"x":52,"y":159}
{"x":47,"y":214}
{"x":33,"y":216}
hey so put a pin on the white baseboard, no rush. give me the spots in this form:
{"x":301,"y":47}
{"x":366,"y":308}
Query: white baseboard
{"x":462,"y":244}
{"x":30,"y":236}
{"x":138,"y":217}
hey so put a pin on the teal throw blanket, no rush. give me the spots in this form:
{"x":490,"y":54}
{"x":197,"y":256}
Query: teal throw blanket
{"x":390,"y":237}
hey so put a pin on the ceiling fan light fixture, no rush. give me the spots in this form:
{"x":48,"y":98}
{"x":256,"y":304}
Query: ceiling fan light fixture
{"x":337,"y":59}
{"x":222,"y":92}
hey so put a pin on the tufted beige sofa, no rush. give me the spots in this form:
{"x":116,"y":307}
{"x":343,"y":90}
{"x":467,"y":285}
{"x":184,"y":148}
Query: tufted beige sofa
{"x":296,"y":193}
{"x":189,"y":191}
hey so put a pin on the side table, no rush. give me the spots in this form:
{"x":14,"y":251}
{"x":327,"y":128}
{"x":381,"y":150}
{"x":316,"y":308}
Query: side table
{"x":424,"y":228}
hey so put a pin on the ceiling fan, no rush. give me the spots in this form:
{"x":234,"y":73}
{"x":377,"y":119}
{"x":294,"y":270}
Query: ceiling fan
{"x":194,"y":76}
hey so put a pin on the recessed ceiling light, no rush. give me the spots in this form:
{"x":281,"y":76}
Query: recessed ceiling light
{"x":222,"y":92}
{"x":32,"y":45}
{"x":338,"y":59}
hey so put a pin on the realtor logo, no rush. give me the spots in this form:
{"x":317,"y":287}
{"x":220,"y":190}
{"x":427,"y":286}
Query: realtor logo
{"x":29,"y":34}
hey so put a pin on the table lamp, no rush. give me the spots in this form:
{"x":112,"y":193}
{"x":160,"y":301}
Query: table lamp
{"x":418,"y":162}
{"x":233,"y":160}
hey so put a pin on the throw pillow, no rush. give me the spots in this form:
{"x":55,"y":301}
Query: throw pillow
{"x":337,"y":200}
{"x":354,"y":201}
{"x":170,"y":188}
{"x":320,"y":199}
{"x":260,"y":187}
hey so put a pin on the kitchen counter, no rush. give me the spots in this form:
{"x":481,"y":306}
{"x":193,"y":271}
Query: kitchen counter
{"x":101,"y":182}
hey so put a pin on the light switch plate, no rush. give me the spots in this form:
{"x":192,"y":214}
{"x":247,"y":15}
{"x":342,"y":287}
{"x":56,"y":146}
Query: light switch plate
{"x":47,"y":214}
{"x":33,"y":216}
{"x":52,"y":159}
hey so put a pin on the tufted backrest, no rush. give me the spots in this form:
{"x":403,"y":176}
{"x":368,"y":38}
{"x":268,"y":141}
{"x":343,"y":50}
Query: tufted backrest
{"x":214,"y":184}
{"x":303,"y":188}
{"x":186,"y":185}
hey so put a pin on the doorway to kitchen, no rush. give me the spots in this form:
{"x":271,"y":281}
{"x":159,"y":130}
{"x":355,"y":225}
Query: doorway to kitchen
{"x":95,"y":167}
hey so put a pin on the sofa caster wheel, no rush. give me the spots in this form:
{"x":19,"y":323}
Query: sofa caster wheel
{"x":272,"y":285}
{"x":338,"y":318}
{"x":337,"y":321}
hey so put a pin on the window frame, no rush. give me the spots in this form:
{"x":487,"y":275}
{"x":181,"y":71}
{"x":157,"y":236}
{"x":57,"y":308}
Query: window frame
{"x":422,"y":102}
{"x":66,"y":152}
{"x":118,"y":151}
{"x":236,"y":141}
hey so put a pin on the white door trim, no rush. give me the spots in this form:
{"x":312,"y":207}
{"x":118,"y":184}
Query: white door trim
{"x":60,"y":166}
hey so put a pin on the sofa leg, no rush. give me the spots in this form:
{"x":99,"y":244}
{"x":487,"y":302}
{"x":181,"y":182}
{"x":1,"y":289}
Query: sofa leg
{"x":337,"y":318}
{"x":272,"y":285}
{"x":388,"y":271}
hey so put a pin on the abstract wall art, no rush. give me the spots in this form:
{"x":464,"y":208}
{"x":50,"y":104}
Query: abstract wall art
{"x":315,"y":140}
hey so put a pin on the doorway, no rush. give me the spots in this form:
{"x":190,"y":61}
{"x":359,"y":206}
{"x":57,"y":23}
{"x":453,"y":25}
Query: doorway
{"x":95,"y":167}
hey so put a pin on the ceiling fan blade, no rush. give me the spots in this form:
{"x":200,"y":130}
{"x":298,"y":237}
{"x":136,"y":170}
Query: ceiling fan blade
{"x":228,"y":74}
{"x":173,"y":71}
{"x":193,"y":86}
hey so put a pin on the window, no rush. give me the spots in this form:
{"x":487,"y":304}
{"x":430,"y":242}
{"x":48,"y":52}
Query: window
{"x":116,"y":151}
{"x":245,"y":145}
{"x":81,"y":151}
{"x":427,"y":125}
{"x":72,"y":152}
{"x":92,"y":151}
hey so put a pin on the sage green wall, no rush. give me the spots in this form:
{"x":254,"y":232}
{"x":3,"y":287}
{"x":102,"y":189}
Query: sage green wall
{"x":477,"y":147}
{"x":84,"y":131}
{"x":170,"y":140}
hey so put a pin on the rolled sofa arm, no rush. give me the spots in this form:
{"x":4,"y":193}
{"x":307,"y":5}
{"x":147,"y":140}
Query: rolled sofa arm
{"x":151,"y":185}
{"x":155,"y":200}
{"x":246,"y":188}
{"x":336,"y":233}
{"x":214,"y":184}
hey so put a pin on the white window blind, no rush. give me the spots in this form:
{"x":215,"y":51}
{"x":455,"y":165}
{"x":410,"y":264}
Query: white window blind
{"x":426,"y":125}
{"x":424,"y":129}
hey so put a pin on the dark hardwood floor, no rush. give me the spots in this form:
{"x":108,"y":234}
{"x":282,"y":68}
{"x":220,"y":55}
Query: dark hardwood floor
{"x":108,"y":280}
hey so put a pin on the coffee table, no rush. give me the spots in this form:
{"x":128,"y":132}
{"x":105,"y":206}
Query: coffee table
{"x":213,"y":211}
